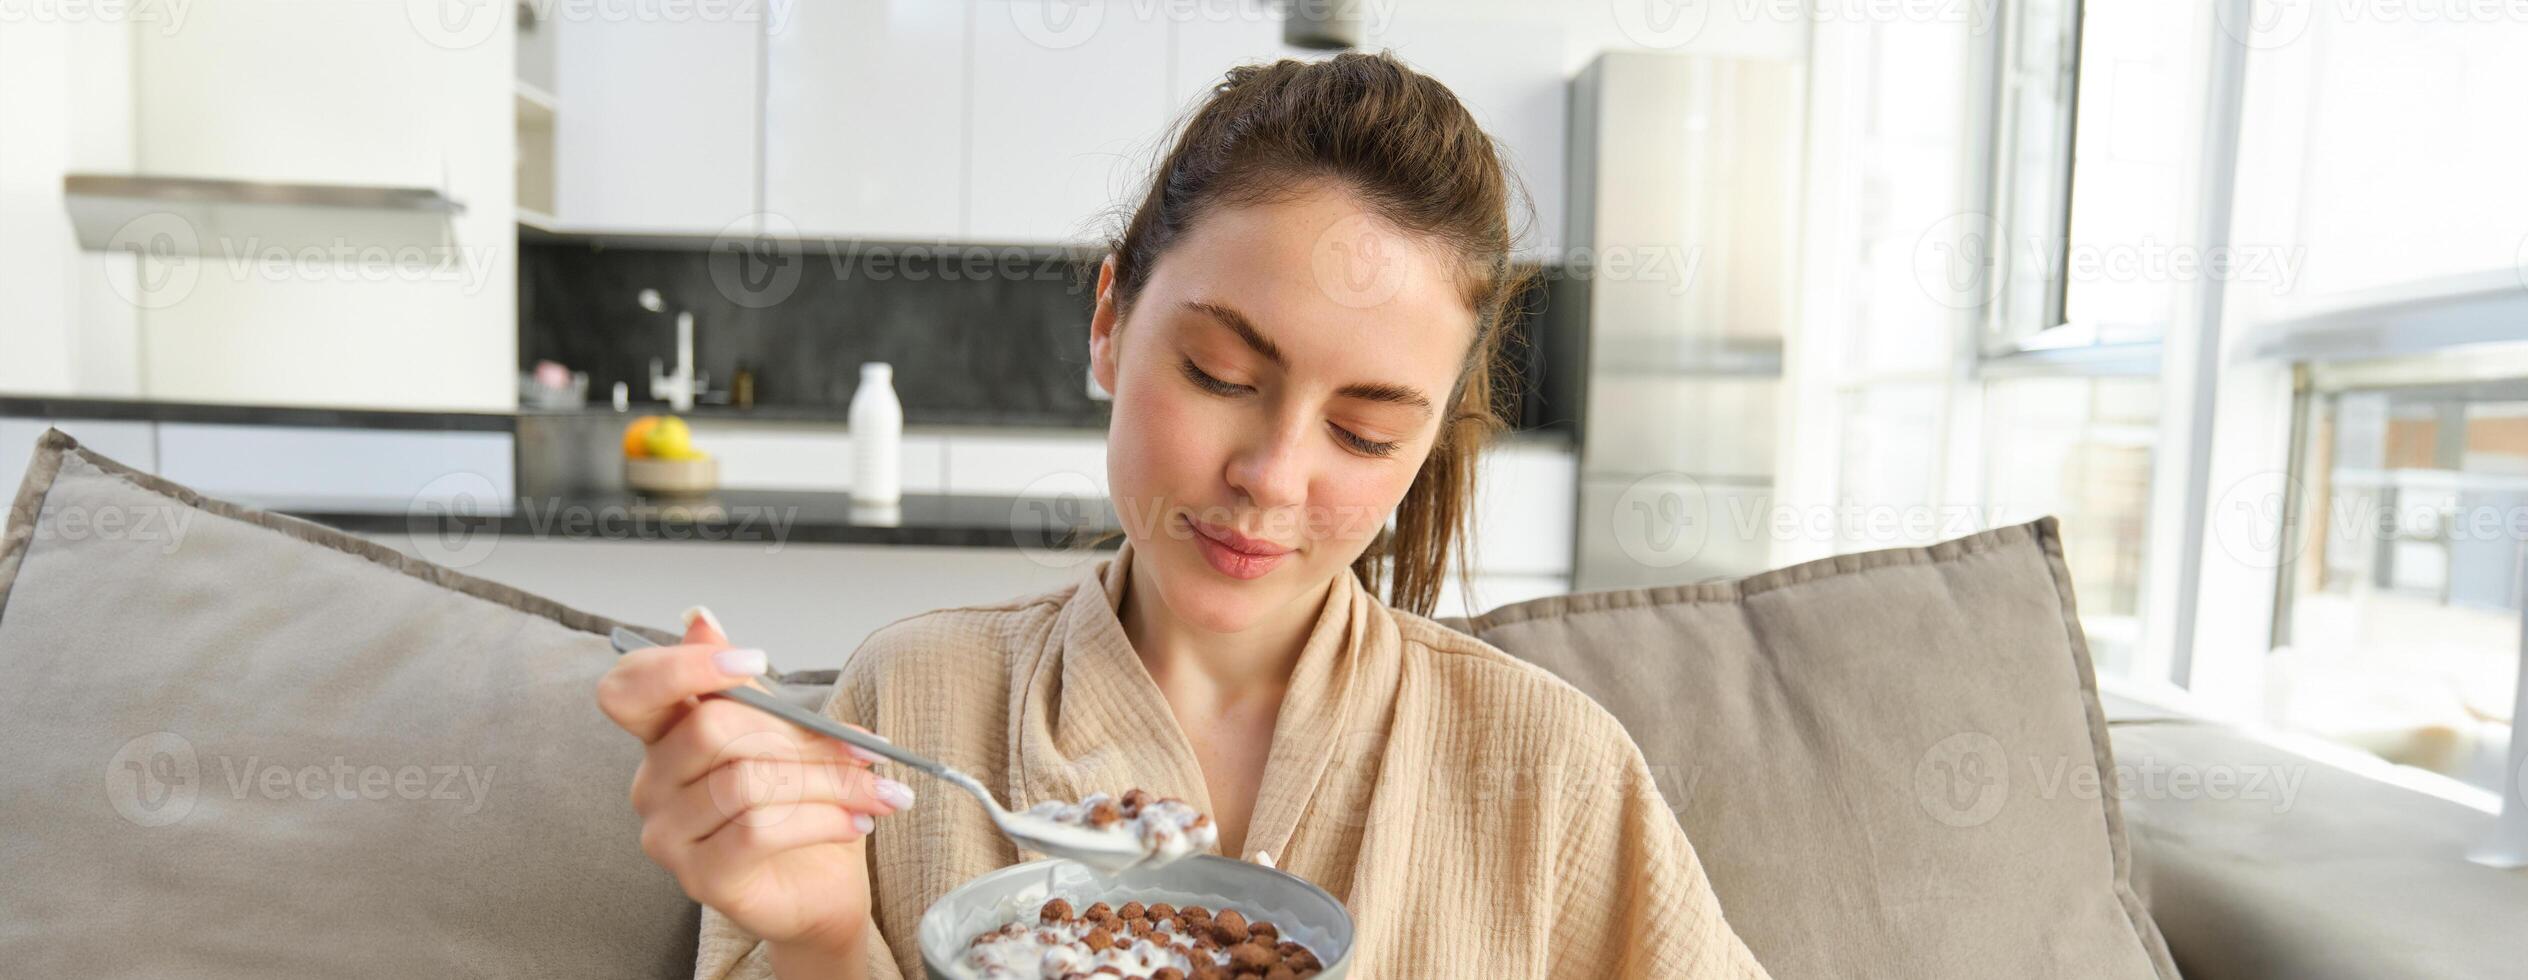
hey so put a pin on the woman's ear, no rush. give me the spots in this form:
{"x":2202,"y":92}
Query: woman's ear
{"x":1101,"y":328}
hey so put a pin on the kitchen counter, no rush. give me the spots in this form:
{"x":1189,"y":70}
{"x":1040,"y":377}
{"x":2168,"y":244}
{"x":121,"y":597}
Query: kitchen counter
{"x":915,"y":422}
{"x":772,"y":517}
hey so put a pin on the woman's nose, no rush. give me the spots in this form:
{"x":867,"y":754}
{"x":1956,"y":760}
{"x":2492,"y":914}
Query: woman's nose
{"x":1271,"y":471}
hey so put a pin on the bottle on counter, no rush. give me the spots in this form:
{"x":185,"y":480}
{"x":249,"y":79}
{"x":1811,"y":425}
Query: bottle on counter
{"x":877,"y":437}
{"x":742,"y":387}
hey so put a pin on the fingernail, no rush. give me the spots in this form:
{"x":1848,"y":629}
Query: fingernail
{"x":895,"y":794}
{"x":864,"y":755}
{"x":740,"y":662}
{"x":865,"y":822}
{"x":703,"y":613}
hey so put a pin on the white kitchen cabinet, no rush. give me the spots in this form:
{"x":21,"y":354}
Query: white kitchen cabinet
{"x":808,"y":605}
{"x":1047,"y":465}
{"x":1070,"y":105}
{"x":757,"y":456}
{"x":134,"y":444}
{"x":1509,"y":73}
{"x":293,"y":467}
{"x":657,"y":131}
{"x":865,"y":120}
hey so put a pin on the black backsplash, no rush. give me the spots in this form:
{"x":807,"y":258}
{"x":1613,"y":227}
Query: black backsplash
{"x":996,"y":337}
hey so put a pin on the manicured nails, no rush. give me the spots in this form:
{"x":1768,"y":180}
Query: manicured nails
{"x":864,"y":822}
{"x":703,"y":613}
{"x":895,"y":794}
{"x":864,"y":755}
{"x":741,"y":662}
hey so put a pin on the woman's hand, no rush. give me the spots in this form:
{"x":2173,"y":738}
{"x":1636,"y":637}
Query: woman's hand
{"x":756,"y":817}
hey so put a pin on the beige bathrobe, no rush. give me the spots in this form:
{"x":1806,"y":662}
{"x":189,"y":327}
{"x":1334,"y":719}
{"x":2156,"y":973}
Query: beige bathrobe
{"x":1478,"y":816}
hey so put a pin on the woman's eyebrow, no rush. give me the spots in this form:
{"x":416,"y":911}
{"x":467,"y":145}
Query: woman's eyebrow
{"x":1375,"y":391}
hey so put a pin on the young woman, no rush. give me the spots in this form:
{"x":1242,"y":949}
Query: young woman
{"x":1299,"y":326}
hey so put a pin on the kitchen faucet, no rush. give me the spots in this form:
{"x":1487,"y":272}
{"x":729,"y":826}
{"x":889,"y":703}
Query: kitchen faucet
{"x":678,"y":388}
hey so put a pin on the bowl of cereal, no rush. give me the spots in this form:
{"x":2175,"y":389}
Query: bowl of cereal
{"x":1201,"y":917}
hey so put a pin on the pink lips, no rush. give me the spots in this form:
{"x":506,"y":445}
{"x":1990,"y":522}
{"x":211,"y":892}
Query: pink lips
{"x":1233,"y":554}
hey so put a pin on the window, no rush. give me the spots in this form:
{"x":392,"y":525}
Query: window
{"x":1980,"y":384}
{"x":2399,"y":629}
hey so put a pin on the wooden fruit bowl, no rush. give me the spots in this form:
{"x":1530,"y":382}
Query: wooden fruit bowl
{"x":672,"y":477}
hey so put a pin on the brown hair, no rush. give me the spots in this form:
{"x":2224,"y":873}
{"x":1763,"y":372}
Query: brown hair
{"x":1400,"y":142}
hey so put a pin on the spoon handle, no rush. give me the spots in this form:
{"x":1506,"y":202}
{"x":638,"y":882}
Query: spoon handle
{"x":626,"y":641}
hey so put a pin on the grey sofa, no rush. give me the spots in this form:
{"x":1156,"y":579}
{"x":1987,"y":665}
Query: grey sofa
{"x":250,"y":746}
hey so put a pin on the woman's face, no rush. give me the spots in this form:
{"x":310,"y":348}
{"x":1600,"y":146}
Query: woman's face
{"x":1280,"y":382}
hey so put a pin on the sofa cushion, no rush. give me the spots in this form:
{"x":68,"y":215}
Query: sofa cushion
{"x":1888,"y":762}
{"x":243,"y":745}
{"x":2258,"y":861}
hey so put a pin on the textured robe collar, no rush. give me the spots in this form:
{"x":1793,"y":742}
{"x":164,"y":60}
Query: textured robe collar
{"x":1087,"y":693}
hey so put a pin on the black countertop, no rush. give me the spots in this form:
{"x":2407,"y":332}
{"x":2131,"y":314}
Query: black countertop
{"x":745,"y":516}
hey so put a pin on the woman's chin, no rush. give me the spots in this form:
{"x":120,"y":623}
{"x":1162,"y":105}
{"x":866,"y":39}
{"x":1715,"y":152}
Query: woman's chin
{"x":1202,"y":597}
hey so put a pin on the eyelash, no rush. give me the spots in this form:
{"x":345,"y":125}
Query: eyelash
{"x":1202,"y":379}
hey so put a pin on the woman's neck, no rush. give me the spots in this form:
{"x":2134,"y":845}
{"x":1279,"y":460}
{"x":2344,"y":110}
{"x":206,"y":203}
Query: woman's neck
{"x":1202,"y":670}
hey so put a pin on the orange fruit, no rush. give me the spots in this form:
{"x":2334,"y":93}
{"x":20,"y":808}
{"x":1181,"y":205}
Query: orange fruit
{"x":636,"y":437}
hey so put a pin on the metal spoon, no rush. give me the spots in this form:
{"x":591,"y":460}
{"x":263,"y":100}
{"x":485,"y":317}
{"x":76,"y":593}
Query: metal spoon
{"x":1105,"y":851}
